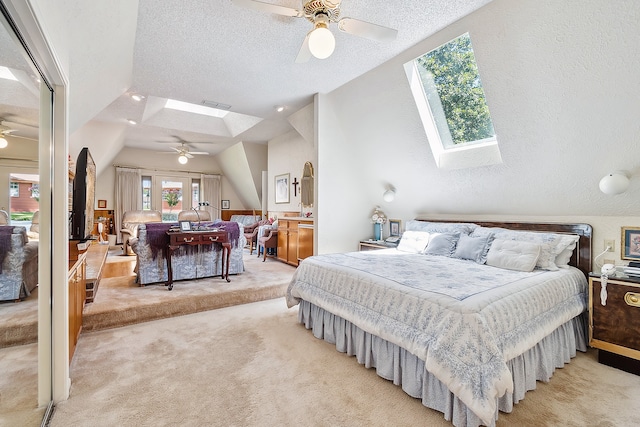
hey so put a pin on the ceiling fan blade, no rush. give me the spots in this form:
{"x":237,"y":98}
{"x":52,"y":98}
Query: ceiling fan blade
{"x":204,"y":153}
{"x":188,"y":155}
{"x":367,"y":30}
{"x":178,"y":150}
{"x":304,"y":54}
{"x":269,"y":8}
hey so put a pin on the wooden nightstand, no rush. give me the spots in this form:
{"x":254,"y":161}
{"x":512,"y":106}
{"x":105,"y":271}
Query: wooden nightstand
{"x":614,"y":328}
{"x":369,"y":245}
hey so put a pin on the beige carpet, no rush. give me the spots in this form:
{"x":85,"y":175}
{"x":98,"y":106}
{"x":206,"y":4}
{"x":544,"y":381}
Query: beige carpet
{"x":119,"y":301}
{"x":254,"y":365}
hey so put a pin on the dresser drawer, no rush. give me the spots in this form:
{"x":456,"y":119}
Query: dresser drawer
{"x":617,"y":322}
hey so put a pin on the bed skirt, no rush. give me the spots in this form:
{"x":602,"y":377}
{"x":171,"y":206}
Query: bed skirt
{"x":396,"y":364}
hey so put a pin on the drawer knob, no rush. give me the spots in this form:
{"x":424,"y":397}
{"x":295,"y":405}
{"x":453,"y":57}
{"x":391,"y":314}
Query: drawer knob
{"x":632,"y":299}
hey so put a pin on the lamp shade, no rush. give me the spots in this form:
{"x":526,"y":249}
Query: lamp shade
{"x":321,"y":42}
{"x":389,"y":195}
{"x":614,"y":183}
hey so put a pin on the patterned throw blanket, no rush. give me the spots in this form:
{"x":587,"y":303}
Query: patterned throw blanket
{"x":5,"y":242}
{"x":158,"y":239}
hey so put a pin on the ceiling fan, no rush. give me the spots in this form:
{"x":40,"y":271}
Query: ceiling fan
{"x":320,"y":42}
{"x":6,"y":130}
{"x":184,"y":153}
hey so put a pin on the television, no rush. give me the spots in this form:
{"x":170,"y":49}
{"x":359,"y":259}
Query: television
{"x":84,"y":193}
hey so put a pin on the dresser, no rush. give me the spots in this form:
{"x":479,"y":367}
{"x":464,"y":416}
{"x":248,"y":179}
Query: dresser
{"x":295,"y":239}
{"x":614,"y":321}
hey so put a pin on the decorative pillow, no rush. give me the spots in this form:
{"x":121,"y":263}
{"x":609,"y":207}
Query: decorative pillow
{"x":563,"y":258}
{"x":413,"y":241}
{"x":513,"y":255}
{"x":440,"y":227}
{"x":551,"y":244}
{"x":473,"y":248}
{"x":442,"y":244}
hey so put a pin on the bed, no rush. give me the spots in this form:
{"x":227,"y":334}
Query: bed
{"x":464,"y":316}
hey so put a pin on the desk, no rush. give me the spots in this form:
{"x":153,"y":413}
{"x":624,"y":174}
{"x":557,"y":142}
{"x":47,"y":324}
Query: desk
{"x":195,"y":238}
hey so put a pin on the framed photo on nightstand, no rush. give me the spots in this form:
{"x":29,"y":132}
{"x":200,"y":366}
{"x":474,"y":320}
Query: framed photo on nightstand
{"x":630,"y":243}
{"x":185,"y":226}
{"x":395,"y":227}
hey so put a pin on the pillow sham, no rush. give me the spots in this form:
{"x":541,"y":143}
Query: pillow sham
{"x":513,"y":255}
{"x":442,"y":244}
{"x":473,"y":248}
{"x":440,"y":227}
{"x":563,"y":258}
{"x":551,"y":244}
{"x":413,"y":241}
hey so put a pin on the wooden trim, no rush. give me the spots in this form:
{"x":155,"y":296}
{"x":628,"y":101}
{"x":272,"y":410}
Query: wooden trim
{"x":225,"y":214}
{"x":581,"y":257}
{"x":614,"y":348}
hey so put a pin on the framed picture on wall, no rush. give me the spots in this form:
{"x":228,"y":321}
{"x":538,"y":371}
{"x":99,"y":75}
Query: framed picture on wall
{"x":395,"y":227}
{"x":102,"y":204}
{"x":282,"y":188}
{"x":226,"y":204}
{"x":630,"y":243}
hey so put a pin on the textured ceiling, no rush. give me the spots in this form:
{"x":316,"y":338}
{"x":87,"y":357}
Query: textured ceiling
{"x":218,"y":51}
{"x":197,"y":50}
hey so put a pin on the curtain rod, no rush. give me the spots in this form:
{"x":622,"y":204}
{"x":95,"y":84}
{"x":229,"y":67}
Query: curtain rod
{"x":164,"y":170}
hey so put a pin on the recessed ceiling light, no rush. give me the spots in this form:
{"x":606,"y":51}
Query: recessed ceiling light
{"x":137,"y":97}
{"x":280,"y":108}
{"x":132,"y":122}
{"x":194,"y":108}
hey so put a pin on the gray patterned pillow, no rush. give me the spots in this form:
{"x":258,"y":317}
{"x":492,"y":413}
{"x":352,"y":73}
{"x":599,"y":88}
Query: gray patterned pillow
{"x":441,"y":227}
{"x":442,"y":244}
{"x":473,"y":248}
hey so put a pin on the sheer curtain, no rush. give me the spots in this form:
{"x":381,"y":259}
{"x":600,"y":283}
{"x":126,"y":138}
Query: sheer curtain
{"x":211,"y":194}
{"x":128,"y":194}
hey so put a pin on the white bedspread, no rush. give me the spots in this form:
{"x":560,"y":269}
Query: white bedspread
{"x":463,"y":319}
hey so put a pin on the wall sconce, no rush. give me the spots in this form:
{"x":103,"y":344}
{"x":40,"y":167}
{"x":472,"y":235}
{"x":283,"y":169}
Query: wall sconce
{"x":614,"y":183}
{"x":390,"y":194}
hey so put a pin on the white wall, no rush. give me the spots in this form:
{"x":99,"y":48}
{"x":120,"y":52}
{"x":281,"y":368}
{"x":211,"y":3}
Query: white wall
{"x":145,"y":159}
{"x":561,"y":83}
{"x":287,"y":154}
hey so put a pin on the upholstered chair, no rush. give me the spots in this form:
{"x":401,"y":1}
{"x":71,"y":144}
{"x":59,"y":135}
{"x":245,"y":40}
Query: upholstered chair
{"x":194,"y":216}
{"x":251,"y":233}
{"x":4,"y":218}
{"x":268,"y":241}
{"x":34,"y":230}
{"x":130,"y":222}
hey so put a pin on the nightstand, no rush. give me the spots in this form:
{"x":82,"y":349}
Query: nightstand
{"x":614,"y":327}
{"x":369,"y":245}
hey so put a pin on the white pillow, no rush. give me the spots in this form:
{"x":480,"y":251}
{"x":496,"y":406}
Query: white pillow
{"x":513,"y":255}
{"x":551,"y":244}
{"x":563,"y":258}
{"x":414,"y":241}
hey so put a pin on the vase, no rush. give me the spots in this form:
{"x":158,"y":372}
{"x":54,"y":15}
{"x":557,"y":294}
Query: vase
{"x":377,"y":231}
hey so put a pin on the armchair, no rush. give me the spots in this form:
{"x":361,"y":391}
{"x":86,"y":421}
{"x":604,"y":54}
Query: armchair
{"x":4,"y":218}
{"x":34,"y":229}
{"x":268,"y":241}
{"x":251,"y":233}
{"x":130,"y":222}
{"x":194,"y":216}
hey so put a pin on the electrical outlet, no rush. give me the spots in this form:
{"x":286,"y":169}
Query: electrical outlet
{"x":610,"y":243}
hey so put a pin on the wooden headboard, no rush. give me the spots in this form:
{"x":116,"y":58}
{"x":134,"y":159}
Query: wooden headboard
{"x":581,"y":257}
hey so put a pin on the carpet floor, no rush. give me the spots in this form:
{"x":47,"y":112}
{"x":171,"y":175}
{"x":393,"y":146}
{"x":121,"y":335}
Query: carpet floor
{"x":254,"y":365}
{"x":118,"y":302}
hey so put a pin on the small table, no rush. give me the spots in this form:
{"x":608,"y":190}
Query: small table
{"x":194,"y":238}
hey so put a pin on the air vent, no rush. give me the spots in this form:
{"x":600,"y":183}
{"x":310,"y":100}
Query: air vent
{"x":217,"y":105}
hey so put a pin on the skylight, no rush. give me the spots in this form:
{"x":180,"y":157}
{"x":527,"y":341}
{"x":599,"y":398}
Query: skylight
{"x":6,"y":73}
{"x":194,"y":108}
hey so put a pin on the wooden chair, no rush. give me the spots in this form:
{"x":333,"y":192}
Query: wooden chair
{"x":270,"y":241}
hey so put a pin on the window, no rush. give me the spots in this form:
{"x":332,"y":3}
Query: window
{"x":195,"y":193}
{"x":35,"y":191}
{"x":448,"y":91}
{"x":146,"y":193}
{"x":14,"y":189}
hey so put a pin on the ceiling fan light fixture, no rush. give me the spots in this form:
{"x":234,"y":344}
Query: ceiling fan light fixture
{"x":182,"y":159}
{"x":3,"y":142}
{"x":136,"y":97}
{"x":321,"y":41}
{"x":132,"y":122}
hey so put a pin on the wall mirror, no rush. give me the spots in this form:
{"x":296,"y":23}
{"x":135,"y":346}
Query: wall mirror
{"x":306,"y":186}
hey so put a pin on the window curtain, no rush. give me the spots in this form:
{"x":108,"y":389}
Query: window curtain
{"x":211,"y":193}
{"x":128,"y":194}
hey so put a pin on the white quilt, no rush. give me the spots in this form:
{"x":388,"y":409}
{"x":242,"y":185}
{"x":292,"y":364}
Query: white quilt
{"x":463,"y":319}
